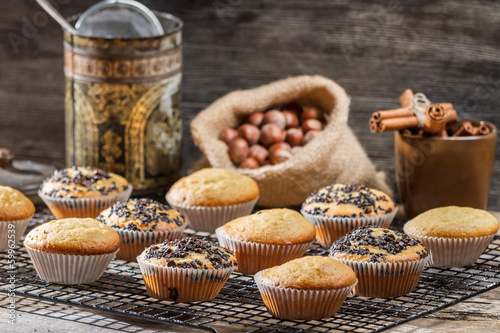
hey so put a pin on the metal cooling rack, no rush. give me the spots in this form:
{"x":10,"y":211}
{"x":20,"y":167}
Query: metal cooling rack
{"x":239,"y":305}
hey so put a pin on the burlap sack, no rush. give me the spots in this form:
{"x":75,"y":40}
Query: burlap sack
{"x":334,"y":156}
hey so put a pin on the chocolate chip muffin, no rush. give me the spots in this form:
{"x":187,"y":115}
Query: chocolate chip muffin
{"x":208,"y":198}
{"x":455,"y":236}
{"x":141,"y":223}
{"x":83,"y":191}
{"x":186,"y":270}
{"x":73,"y":250}
{"x":321,"y":285}
{"x":267,"y":238}
{"x":16,"y":211}
{"x":387,"y":263}
{"x":337,"y":209}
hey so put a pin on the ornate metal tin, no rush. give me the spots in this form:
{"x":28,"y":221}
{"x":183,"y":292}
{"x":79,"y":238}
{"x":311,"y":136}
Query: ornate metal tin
{"x":123,"y":104}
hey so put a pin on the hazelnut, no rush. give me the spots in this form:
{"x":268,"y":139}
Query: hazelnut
{"x":295,"y":150}
{"x":259,"y":153}
{"x":294,"y":137}
{"x":280,"y":145}
{"x":238,"y":150}
{"x":312,"y":113}
{"x":275,"y":117}
{"x":250,"y":133}
{"x":256,"y":118}
{"x":283,"y":135}
{"x":310,"y":135}
{"x":270,"y":134}
{"x":229,"y":134}
{"x":291,"y":119}
{"x":278,"y":156}
{"x":311,"y":124}
{"x":249,"y":163}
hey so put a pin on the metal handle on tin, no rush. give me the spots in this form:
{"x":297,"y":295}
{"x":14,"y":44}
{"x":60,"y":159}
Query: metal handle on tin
{"x":47,"y":6}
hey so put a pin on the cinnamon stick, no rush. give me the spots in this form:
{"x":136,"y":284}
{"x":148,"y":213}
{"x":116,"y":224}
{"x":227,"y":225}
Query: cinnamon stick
{"x":396,"y":124}
{"x":406,"y":98}
{"x":396,"y":113}
{"x":435,"y":120}
{"x":484,"y":129}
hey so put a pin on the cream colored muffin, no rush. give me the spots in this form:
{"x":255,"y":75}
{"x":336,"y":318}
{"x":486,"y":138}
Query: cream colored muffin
{"x":73,"y":236}
{"x":266,"y":238}
{"x":141,"y":223}
{"x":141,"y":215}
{"x":453,"y":222}
{"x":372,"y":244}
{"x":14,"y":205}
{"x":185,"y":270}
{"x":71,"y":251}
{"x":337,"y":209}
{"x":320,"y":283}
{"x":273,"y":226}
{"x":15,"y":214}
{"x":455,"y":236}
{"x":211,"y":197}
{"x":387,"y":263}
{"x":213,"y":187}
{"x":311,"y":272}
{"x":82,"y":182}
{"x":348,"y":201}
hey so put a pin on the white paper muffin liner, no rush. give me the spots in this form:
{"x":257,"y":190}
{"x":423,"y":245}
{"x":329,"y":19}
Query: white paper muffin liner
{"x":83,"y":207}
{"x":329,"y":229}
{"x":453,"y":252}
{"x":133,"y":242}
{"x":386,"y":279}
{"x":208,"y":219}
{"x":183,"y":284}
{"x":20,"y":228}
{"x":253,"y":257}
{"x":301,"y":304}
{"x":69,"y":268}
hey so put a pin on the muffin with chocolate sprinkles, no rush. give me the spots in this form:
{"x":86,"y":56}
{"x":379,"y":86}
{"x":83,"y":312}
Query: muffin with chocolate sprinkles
{"x":82,"y":191}
{"x":387,"y":263}
{"x":186,"y":270}
{"x":141,"y":223}
{"x":337,"y":209}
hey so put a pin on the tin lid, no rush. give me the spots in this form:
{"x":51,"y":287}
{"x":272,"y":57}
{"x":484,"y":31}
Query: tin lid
{"x":119,"y":19}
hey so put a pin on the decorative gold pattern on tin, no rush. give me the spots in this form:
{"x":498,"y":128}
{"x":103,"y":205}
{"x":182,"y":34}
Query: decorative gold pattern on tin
{"x":111,"y":151}
{"x":123,"y":69}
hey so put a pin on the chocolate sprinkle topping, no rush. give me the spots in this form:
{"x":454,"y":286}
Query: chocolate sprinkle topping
{"x":359,"y":195}
{"x":181,"y":248}
{"x":149,"y":212}
{"x":353,"y":243}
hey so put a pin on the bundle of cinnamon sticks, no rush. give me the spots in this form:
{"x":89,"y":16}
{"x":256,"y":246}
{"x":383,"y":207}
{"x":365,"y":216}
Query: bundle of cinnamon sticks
{"x":437,"y":121}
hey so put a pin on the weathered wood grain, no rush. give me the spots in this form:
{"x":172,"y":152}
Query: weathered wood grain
{"x":374,"y":49}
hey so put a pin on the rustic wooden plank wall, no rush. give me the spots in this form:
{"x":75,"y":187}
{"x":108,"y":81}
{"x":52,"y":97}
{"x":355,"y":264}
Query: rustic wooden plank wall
{"x":374,"y":49}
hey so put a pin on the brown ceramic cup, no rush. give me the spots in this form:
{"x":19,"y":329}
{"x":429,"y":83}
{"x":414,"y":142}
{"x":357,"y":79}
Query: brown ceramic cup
{"x":443,"y":171}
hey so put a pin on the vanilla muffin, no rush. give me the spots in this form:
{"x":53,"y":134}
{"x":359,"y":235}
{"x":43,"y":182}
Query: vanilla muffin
{"x":141,"y":223}
{"x":337,"y":209}
{"x":321,"y":283}
{"x":266,"y":238}
{"x":73,"y":250}
{"x":82,"y":191}
{"x":455,"y":236}
{"x":185,"y":270}
{"x":208,"y":198}
{"x":387,"y":263}
{"x":16,"y":211}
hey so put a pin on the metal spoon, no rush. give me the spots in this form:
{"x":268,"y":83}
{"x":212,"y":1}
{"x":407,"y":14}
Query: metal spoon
{"x":47,"y":6}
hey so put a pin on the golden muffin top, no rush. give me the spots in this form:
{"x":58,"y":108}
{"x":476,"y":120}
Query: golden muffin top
{"x":375,"y":244}
{"x":82,"y":182}
{"x":73,"y":236}
{"x":348,"y":201}
{"x":14,"y":205}
{"x":272,"y":226}
{"x":189,"y":253}
{"x":311,"y":272}
{"x":453,"y":222}
{"x":141,"y":215}
{"x":213,"y":187}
